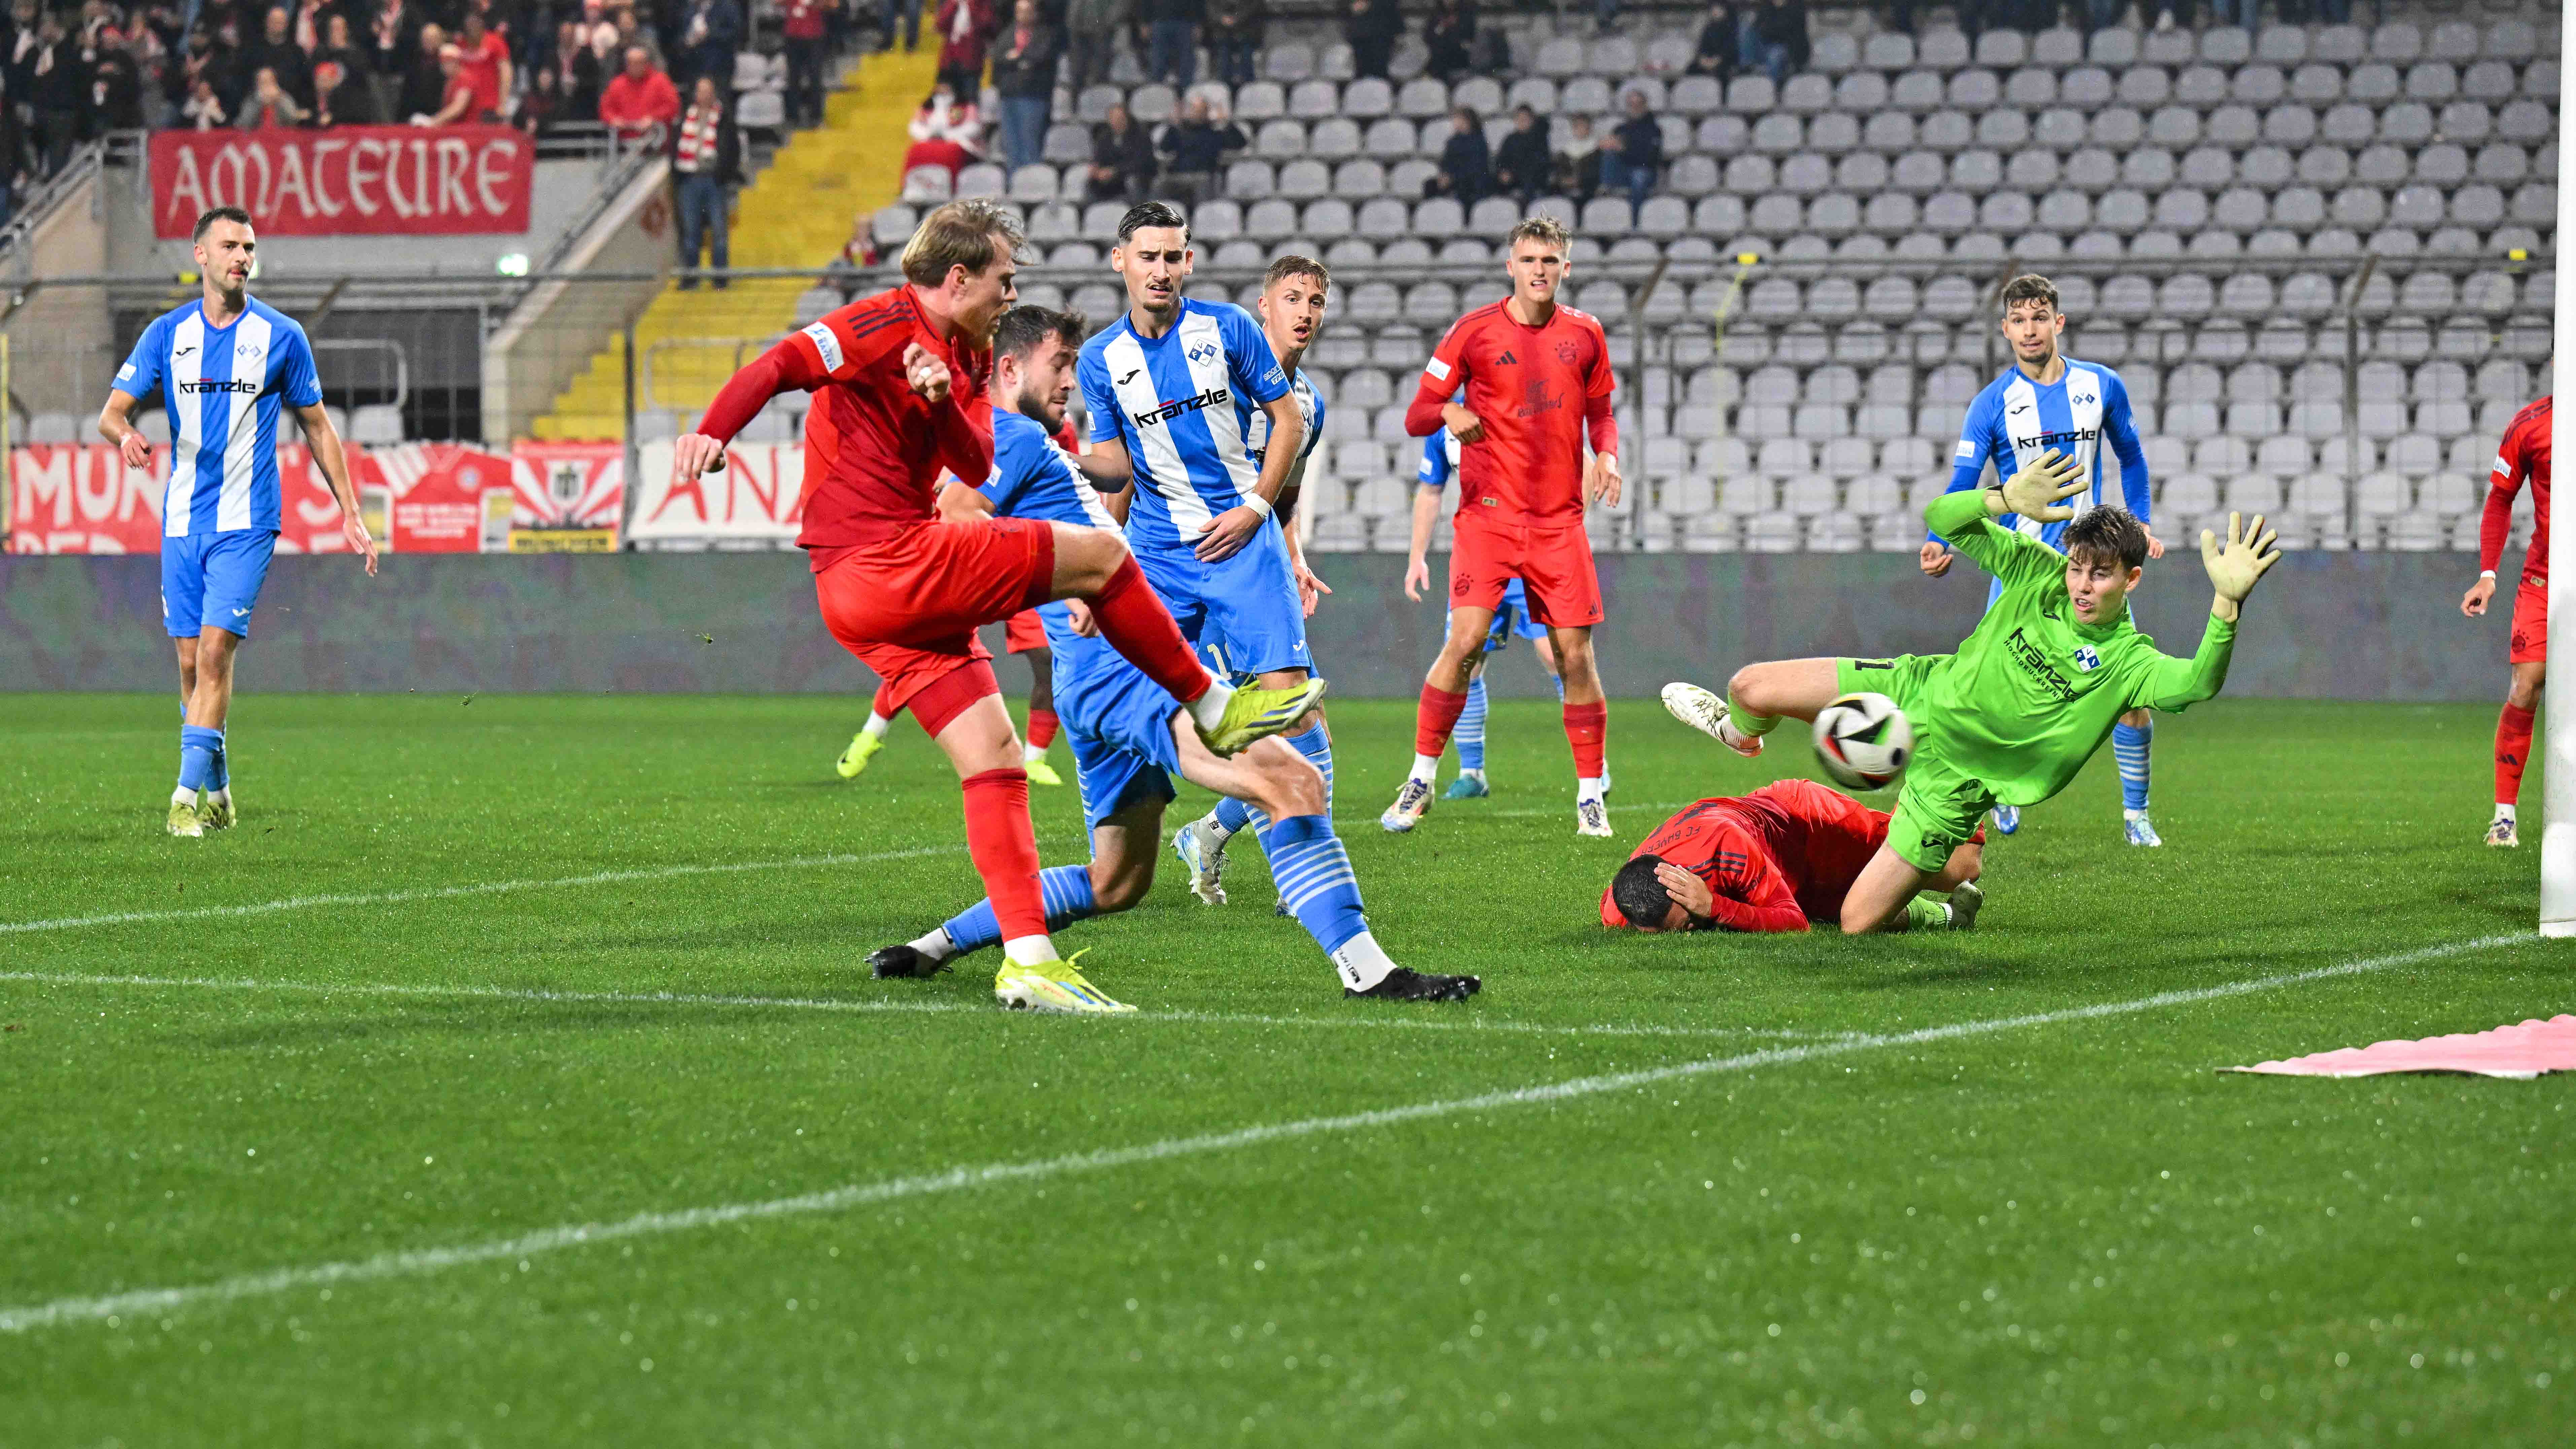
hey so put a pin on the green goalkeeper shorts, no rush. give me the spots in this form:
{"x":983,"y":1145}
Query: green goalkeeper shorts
{"x":1937,"y":808}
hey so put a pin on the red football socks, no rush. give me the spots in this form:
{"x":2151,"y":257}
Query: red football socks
{"x":2512,"y":752}
{"x":1585,"y":726}
{"x":1435,"y":719}
{"x":1004,"y":846}
{"x":1137,"y":625}
{"x":1042,"y":728}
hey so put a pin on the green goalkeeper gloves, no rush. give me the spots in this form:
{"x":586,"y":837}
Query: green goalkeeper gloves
{"x":2040,"y":491}
{"x":2235,"y":565}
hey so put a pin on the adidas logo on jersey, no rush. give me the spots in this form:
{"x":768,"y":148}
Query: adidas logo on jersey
{"x":1507,"y":360}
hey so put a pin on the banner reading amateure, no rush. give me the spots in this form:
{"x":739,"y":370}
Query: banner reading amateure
{"x":348,"y":179}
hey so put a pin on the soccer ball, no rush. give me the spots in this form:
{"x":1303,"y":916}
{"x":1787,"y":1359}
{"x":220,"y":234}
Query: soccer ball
{"x":1863,"y":741}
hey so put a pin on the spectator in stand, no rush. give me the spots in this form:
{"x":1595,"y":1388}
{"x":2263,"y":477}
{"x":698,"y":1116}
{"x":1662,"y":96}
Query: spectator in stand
{"x":269,"y":105}
{"x":483,"y":58}
{"x":276,"y":50}
{"x":575,"y":73}
{"x":339,"y":48}
{"x":804,"y":24}
{"x":1024,"y":59}
{"x":1172,"y":27}
{"x":1235,"y":29}
{"x":1523,"y":166}
{"x":709,"y":36}
{"x":1194,"y":150}
{"x":1091,"y":31}
{"x":1373,"y":29}
{"x":1776,"y":41}
{"x":906,"y":13}
{"x":1466,"y":163}
{"x":705,"y":164}
{"x":639,"y":104}
{"x":947,"y":132}
{"x":1451,"y":35}
{"x":59,"y":94}
{"x":203,"y":110}
{"x":1633,"y":153}
{"x":1578,"y":166}
{"x":393,"y":40}
{"x":1122,"y":159}
{"x":965,"y":34}
{"x":458,"y":105}
{"x":13,"y":153}
{"x":1721,"y":38}
{"x":424,"y":87}
{"x":115,"y":84}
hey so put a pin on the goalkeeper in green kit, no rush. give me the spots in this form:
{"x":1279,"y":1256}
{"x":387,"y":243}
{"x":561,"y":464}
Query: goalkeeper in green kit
{"x":2027,"y":698}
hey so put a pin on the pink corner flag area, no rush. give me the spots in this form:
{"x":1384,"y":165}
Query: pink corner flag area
{"x":2521,"y":1052}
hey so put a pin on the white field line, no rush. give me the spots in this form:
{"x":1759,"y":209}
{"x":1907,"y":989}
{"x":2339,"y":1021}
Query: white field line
{"x":485,"y":888}
{"x":412,"y":1262}
{"x":1346,"y":1018}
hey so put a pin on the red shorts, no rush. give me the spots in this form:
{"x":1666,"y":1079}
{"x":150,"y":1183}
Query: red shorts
{"x":1554,"y":566}
{"x":2530,"y":621}
{"x":910,"y":605}
{"x":1025,"y":633}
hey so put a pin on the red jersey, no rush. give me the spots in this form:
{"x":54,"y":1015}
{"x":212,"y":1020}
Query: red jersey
{"x":1535,"y":389}
{"x":1774,"y":860}
{"x":873,"y":446}
{"x":2523,"y":456}
{"x":803,"y":19}
{"x":481,"y":67}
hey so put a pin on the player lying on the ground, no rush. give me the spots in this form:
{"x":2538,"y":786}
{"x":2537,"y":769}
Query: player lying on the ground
{"x":223,"y":365}
{"x":1130,"y":736}
{"x":2523,"y":456}
{"x":2028,"y":697}
{"x":1538,"y":386}
{"x":1775,"y":860}
{"x":2046,"y":400}
{"x":896,"y":379}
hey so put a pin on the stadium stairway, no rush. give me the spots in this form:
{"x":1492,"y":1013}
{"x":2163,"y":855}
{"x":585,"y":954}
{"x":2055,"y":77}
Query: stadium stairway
{"x":797,"y":213}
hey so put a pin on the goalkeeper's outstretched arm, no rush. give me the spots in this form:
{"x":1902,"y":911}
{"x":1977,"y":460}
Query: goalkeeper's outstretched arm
{"x":2234,"y":568}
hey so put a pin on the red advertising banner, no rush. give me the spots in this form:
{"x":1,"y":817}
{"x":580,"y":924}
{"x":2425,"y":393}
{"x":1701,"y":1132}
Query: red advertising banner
{"x":442,"y":497}
{"x":81,"y":498}
{"x":568,"y":485}
{"x":381,"y":180}
{"x":759,"y":495}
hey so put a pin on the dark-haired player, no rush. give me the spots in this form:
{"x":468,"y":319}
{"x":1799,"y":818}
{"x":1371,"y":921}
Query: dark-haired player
{"x":897,"y":378}
{"x":2027,"y":698}
{"x":2047,"y":400}
{"x":1775,"y":860}
{"x":1538,"y":387}
{"x":2522,"y":457}
{"x":1130,"y":736}
{"x":225,"y":365}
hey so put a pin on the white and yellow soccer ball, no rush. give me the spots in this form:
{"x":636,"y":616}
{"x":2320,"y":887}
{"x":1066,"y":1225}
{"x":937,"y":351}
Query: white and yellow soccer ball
{"x":1864,"y":741}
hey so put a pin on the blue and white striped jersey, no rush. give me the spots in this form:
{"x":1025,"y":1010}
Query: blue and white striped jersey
{"x":1183,"y":403}
{"x":222,"y":386}
{"x":1439,"y":460}
{"x":1033,"y":478}
{"x":2015,"y":420}
{"x":1310,"y":406}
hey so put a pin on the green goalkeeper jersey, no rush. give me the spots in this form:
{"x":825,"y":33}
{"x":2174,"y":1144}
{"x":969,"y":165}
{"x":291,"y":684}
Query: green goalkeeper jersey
{"x":2033,"y":692}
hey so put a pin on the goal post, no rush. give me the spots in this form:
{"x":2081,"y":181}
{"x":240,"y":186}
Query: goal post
{"x":2558,"y":768}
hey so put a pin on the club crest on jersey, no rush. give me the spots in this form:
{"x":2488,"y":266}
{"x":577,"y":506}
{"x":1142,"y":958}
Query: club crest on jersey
{"x":2082,"y":399}
{"x":2086,"y":659}
{"x":1201,"y":351}
{"x":1565,"y":353}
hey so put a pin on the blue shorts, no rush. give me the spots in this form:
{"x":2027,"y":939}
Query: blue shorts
{"x":1243,"y":611}
{"x":211,"y":580}
{"x":1120,"y":723}
{"x":1511,"y":617}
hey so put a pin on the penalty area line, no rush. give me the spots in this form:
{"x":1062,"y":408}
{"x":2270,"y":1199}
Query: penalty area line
{"x":458,"y":892}
{"x":420,"y":1261}
{"x":541,"y":995}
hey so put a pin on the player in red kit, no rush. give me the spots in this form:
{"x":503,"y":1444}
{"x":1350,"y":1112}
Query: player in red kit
{"x":2524,"y":457}
{"x":1775,"y":860}
{"x":898,"y":382}
{"x":1537,"y":379}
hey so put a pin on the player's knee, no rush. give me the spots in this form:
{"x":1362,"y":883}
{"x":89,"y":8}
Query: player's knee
{"x":1290,"y":786}
{"x":1086,"y":558}
{"x":1121,"y":887}
{"x":1745,"y":686}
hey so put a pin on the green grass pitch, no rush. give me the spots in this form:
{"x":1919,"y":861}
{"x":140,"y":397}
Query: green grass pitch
{"x":1703,"y":1190}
